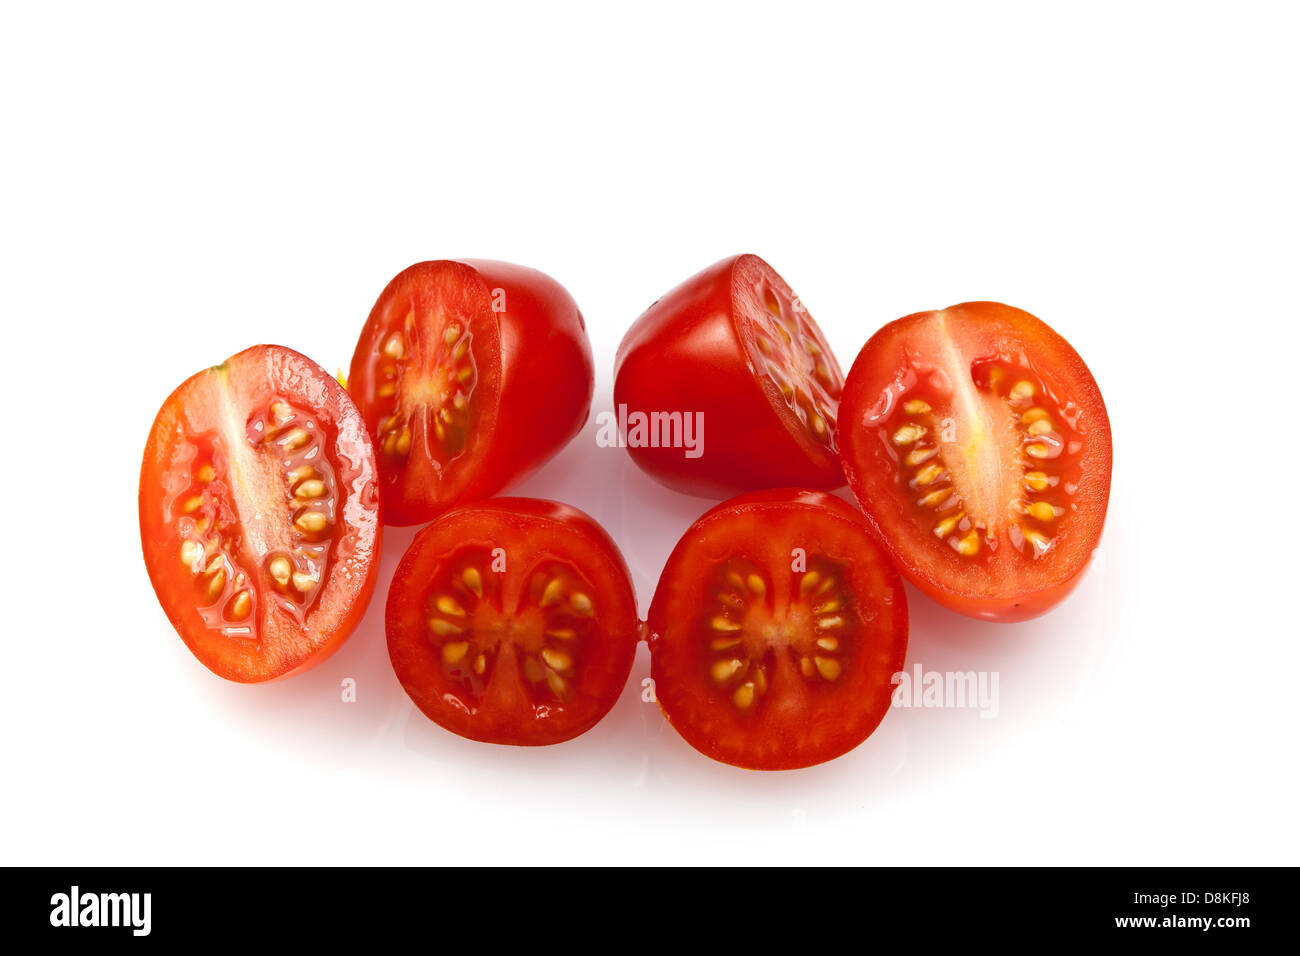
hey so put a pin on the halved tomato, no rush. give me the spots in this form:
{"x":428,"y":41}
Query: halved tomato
{"x":776,"y":630}
{"x":259,"y":514}
{"x":977,"y":443}
{"x":734,"y":349}
{"x":469,"y":375}
{"x":513,"y":621}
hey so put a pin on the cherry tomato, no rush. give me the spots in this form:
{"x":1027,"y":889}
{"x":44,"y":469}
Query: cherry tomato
{"x":259,"y":514}
{"x":977,"y":443}
{"x":776,"y":630}
{"x":513,"y":621}
{"x":469,"y":375}
{"x":734,"y":349}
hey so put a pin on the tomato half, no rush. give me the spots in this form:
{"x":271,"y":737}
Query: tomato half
{"x":734,"y":349}
{"x":776,"y":629}
{"x":513,"y":621}
{"x":259,"y":514}
{"x":469,"y":375}
{"x":977,"y":443}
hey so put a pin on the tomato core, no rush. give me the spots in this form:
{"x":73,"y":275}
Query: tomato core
{"x":536,"y":632}
{"x":424,"y":370}
{"x":758,"y":633}
{"x":987,"y":453}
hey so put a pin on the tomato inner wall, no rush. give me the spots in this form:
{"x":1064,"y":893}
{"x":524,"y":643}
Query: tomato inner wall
{"x":792,"y":634}
{"x":523,"y":636}
{"x":256,"y":518}
{"x":985,"y":451}
{"x":787,"y":350}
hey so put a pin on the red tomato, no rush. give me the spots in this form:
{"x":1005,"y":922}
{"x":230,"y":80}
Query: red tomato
{"x":776,"y":630}
{"x":734,"y":349}
{"x":977,"y":443}
{"x":513,"y":621}
{"x":469,"y":374}
{"x":259,"y":514}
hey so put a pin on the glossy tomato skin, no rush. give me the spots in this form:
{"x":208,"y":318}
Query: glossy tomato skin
{"x":534,"y":387}
{"x":811,"y":713}
{"x":689,"y":352}
{"x":191,"y":456}
{"x":505,"y":612}
{"x":1007,"y":586}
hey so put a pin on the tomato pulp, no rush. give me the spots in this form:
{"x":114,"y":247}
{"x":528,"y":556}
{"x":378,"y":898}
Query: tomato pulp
{"x":469,"y":374}
{"x":734,"y":348}
{"x":259,"y":514}
{"x":513,"y":621}
{"x":776,"y":630}
{"x":977,"y":443}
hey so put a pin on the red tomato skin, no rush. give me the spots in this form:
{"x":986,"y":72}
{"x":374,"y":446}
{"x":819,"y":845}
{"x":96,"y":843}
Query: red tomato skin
{"x":404,"y":612}
{"x":782,"y":754}
{"x":684,"y":354}
{"x":1035,"y":594}
{"x":549,"y":374}
{"x":356,"y":558}
{"x":547,"y":379}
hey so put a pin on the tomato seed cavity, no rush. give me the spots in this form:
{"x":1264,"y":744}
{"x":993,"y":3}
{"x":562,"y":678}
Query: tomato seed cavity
{"x":436,"y":401}
{"x":749,"y":625}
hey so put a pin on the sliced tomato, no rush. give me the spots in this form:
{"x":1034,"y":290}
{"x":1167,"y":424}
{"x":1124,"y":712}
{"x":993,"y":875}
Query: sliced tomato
{"x":259,"y":514}
{"x":513,"y":621}
{"x":776,"y":630}
{"x":977,"y":443}
{"x":469,"y":375}
{"x":735,"y":348}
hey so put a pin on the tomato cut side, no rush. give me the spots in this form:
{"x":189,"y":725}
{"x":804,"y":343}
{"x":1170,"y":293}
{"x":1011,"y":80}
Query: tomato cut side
{"x":259,"y":514}
{"x":469,"y":374}
{"x":776,"y":629}
{"x":734,"y":347}
{"x":513,"y":621}
{"x":977,"y":443}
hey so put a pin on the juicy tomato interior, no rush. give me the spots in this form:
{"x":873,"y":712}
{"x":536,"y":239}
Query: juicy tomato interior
{"x":426,"y":375}
{"x":788,"y":352}
{"x":513,"y":621}
{"x":259,"y":513}
{"x":776,"y":630}
{"x":977,"y":442}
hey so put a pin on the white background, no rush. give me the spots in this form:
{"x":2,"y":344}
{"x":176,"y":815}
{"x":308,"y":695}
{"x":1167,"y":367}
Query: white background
{"x":180,"y":184}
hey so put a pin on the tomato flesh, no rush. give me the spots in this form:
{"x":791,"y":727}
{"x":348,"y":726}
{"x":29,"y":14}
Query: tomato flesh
{"x":513,"y":621}
{"x":776,"y":629}
{"x":469,"y":374}
{"x":735,"y":346}
{"x":259,"y":514}
{"x":977,"y":443}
